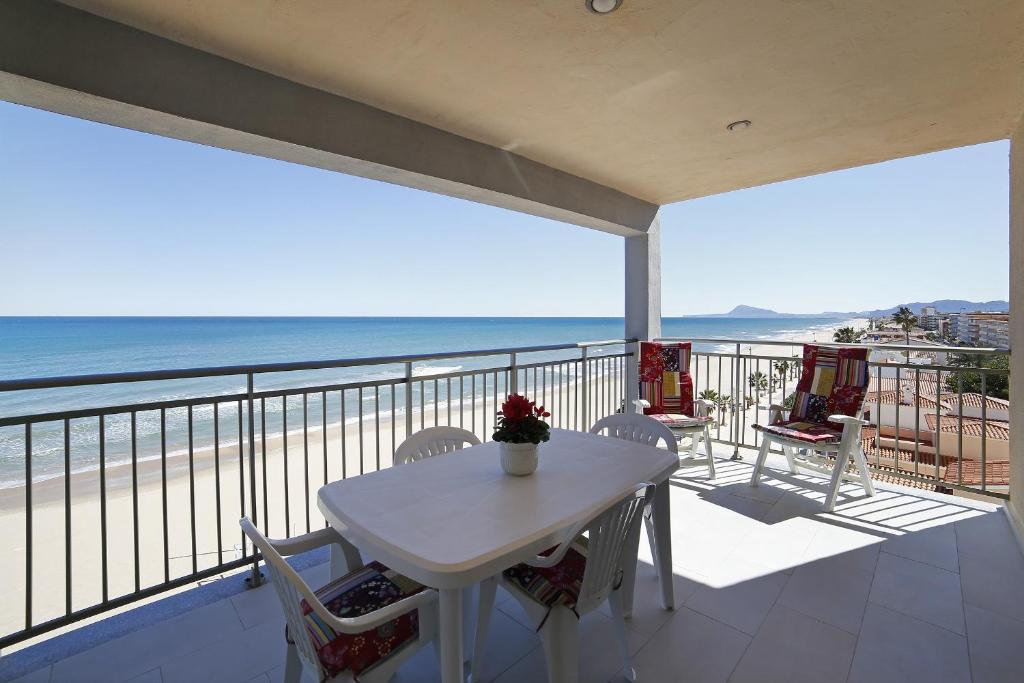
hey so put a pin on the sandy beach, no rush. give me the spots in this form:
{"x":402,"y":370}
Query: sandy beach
{"x":219,"y":478}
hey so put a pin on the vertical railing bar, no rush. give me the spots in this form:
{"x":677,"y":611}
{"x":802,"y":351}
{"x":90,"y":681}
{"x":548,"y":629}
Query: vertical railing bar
{"x":938,"y":417}
{"x":305,"y":456}
{"x":462,"y":396}
{"x":263,"y":451}
{"x":423,"y":404}
{"x":344,"y":435}
{"x":284,"y":459}
{"x":394,"y":443}
{"x":255,"y":578}
{"x":67,"y":516}
{"x":447,"y":400}
{"x":192,"y":493}
{"x":472,"y":403}
{"x":959,"y":429}
{"x":740,"y":402}
{"x":408,"y":399}
{"x":135,"y":502}
{"x":435,"y":403}
{"x":376,"y":423}
{"x":878,"y":419}
{"x":28,"y":525}
{"x":494,"y":408}
{"x":241,"y":477}
{"x":984,"y":427}
{"x":585,"y":388}
{"x":359,"y":401}
{"x":917,"y":424}
{"x":718,"y":429}
{"x":899,"y":391}
{"x":163,"y":482}
{"x":323,"y":435}
{"x":216,"y":480}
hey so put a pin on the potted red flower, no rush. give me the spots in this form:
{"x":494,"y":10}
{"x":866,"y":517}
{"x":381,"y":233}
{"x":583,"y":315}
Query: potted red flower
{"x":519,"y":430}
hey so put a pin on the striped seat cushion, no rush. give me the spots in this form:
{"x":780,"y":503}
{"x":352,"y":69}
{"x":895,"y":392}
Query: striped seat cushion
{"x":355,"y":594}
{"x":673,"y":421}
{"x":811,"y":432}
{"x":556,"y":585}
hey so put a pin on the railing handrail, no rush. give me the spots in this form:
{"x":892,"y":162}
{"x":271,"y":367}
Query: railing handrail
{"x":871,"y":345}
{"x":266,"y":368}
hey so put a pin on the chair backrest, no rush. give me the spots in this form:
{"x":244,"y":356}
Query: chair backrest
{"x":833,"y":381}
{"x":291,"y":590}
{"x":665,"y":381}
{"x":609,"y":534}
{"x":638,"y":428}
{"x":433,"y":441}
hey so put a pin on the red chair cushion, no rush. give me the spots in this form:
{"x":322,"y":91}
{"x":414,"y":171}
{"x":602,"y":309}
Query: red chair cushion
{"x":549,"y":586}
{"x":811,"y":432}
{"x":680,"y":421}
{"x":355,"y":594}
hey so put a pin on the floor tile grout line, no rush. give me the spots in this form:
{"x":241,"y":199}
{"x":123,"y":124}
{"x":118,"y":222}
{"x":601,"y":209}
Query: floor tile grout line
{"x":963,"y":603}
{"x":863,"y":614}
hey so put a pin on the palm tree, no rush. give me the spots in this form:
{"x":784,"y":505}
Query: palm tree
{"x":906,"y":319}
{"x":847,"y":335}
{"x":758,"y":381}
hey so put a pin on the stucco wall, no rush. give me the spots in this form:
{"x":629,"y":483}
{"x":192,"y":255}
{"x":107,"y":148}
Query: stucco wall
{"x":1017,"y":325}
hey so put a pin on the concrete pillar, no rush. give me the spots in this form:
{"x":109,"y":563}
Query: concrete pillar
{"x":643,"y":295}
{"x":1016,"y":505}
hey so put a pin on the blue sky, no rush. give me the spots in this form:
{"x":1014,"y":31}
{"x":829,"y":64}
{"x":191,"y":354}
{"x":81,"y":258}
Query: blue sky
{"x":97,"y":220}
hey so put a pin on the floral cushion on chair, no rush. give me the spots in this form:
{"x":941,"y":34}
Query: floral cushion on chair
{"x":834,"y":381}
{"x":665,"y":380}
{"x":552,"y":585}
{"x":355,"y":594}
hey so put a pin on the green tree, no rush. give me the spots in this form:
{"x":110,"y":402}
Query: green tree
{"x":906,"y":320}
{"x":758,"y":381}
{"x":997,"y":384}
{"x":847,"y":335}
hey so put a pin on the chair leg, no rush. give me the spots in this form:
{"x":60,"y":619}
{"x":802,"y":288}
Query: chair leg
{"x":865,"y":475}
{"x":649,"y":525}
{"x":790,"y":454}
{"x":762,"y":455}
{"x":842,"y":458}
{"x":560,"y":638}
{"x":707,"y":449}
{"x":621,"y":639}
{"x":485,"y":600}
{"x":292,"y":665}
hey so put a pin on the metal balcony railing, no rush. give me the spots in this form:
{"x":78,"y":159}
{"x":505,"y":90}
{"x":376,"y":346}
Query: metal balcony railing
{"x":124,"y":500}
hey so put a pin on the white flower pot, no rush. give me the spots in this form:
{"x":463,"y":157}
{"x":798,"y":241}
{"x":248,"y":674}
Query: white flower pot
{"x":518,"y":459}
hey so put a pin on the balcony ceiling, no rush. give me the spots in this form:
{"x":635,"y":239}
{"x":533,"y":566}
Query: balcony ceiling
{"x":639,"y":100}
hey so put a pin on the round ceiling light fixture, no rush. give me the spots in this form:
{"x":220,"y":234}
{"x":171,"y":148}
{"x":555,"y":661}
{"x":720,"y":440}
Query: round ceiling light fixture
{"x":603,"y":6}
{"x":738,"y":125}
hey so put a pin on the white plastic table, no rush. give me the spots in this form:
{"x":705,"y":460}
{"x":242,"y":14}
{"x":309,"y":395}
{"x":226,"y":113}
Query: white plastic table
{"x":452,"y":520}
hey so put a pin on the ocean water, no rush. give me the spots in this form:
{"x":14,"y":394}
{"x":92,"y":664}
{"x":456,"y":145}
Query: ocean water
{"x":41,"y":347}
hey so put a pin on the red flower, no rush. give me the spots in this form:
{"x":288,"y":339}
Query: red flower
{"x":517,"y":407}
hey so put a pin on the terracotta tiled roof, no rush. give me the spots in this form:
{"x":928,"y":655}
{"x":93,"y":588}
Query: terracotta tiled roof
{"x":972,"y":426}
{"x":895,"y":396}
{"x":996,"y":473}
{"x":974,"y":401}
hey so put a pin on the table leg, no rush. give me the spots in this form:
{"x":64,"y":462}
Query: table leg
{"x":345,"y":558}
{"x":663,"y":540}
{"x":450,"y":608}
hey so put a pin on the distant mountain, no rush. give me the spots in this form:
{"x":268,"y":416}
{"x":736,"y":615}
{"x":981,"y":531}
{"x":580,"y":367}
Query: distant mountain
{"x":742,"y":311}
{"x":942,"y":306}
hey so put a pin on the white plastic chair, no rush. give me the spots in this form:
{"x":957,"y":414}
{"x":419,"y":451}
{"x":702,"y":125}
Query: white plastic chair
{"x":433,"y":441}
{"x":292,"y":590}
{"x":701,"y":409}
{"x":641,"y":429}
{"x":610,"y":537}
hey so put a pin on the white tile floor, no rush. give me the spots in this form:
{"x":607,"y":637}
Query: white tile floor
{"x":906,"y":586}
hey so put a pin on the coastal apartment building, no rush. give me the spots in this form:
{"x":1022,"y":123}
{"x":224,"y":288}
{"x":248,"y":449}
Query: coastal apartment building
{"x":991,"y":329}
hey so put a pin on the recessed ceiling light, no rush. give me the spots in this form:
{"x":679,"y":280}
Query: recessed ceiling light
{"x":603,"y":6}
{"x":738,"y":125}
